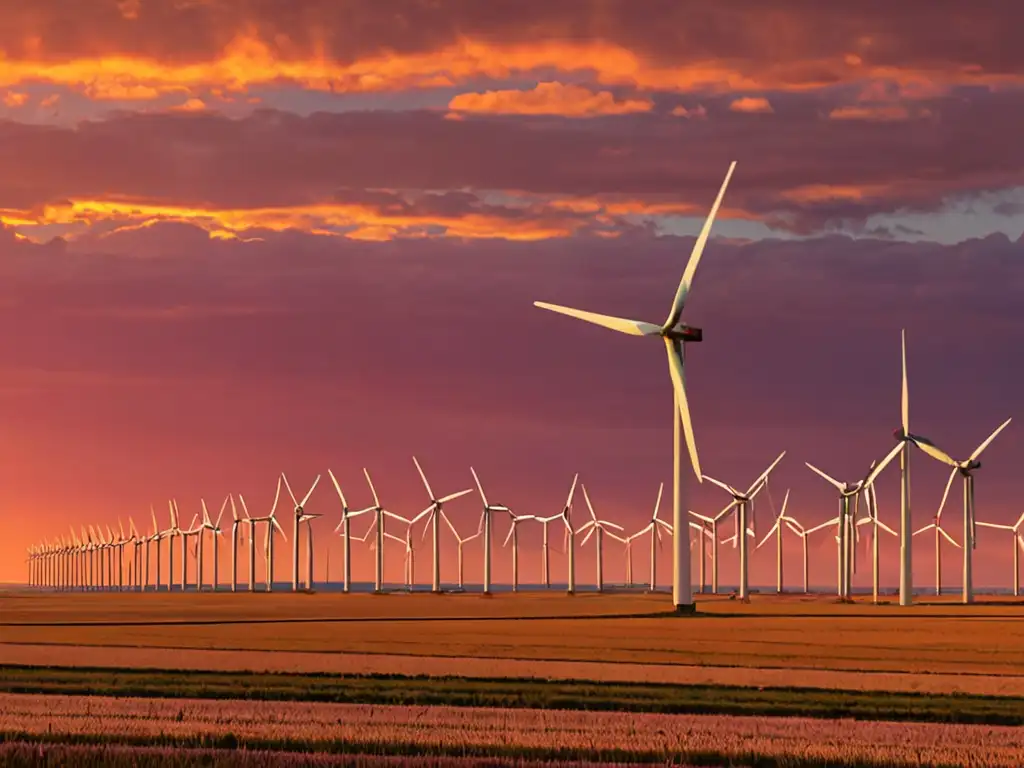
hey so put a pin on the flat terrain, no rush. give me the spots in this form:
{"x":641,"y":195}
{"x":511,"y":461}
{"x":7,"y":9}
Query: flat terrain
{"x":520,"y":733}
{"x":773,"y":641}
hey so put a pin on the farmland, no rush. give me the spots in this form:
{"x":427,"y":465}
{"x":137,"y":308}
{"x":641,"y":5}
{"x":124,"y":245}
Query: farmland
{"x":530,"y":734}
{"x":929,"y":647}
{"x":528,"y":677}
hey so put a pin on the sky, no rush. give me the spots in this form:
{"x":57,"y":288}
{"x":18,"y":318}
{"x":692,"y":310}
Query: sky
{"x":240,"y":238}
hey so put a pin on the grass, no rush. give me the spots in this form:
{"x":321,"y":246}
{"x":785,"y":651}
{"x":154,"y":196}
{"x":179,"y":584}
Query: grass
{"x":517,"y":693}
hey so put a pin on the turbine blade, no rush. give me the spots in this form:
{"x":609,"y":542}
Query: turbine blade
{"x":478,"y":486}
{"x":949,"y":538}
{"x":723,"y":486}
{"x":922,"y":530}
{"x":572,"y":490}
{"x":675,"y":365}
{"x":586,"y":496}
{"x":933,"y":450}
{"x":423,"y":477}
{"x":831,"y":480}
{"x":337,"y":487}
{"x":453,"y":496}
{"x":984,"y":445}
{"x":764,"y":475}
{"x":883,"y":464}
{"x":769,"y":534}
{"x":620,"y":324}
{"x":945,"y":493}
{"x":376,"y":501}
{"x":511,"y":528}
{"x":884,"y":527}
{"x":277,"y":494}
{"x":905,"y":395}
{"x":698,"y":249}
{"x":657,"y":503}
{"x":310,"y":491}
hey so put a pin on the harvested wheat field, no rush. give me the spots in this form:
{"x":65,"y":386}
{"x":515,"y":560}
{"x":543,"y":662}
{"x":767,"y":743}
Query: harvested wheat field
{"x":706,"y":739}
{"x":798,"y":637}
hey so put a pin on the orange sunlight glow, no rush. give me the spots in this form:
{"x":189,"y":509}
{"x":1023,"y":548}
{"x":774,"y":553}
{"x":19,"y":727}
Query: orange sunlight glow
{"x":549,"y":99}
{"x":247,"y":60}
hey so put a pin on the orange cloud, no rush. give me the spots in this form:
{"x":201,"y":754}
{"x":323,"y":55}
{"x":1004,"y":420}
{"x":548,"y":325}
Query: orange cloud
{"x":887,"y":112}
{"x":697,"y":111}
{"x":192,"y":105}
{"x":13,"y":99}
{"x":249,"y":60}
{"x":549,"y":99}
{"x":353,"y":220}
{"x":751,"y":104}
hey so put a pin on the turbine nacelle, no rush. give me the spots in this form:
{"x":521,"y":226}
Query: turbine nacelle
{"x":684,"y":333}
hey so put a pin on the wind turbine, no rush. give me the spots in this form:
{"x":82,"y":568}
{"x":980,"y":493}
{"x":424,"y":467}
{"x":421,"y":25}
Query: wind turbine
{"x":431,"y":512}
{"x":378,"y":519}
{"x":675,"y":335}
{"x":904,"y":439}
{"x":569,"y":542}
{"x":655,"y":531}
{"x":173,"y":531}
{"x":1016,"y":540}
{"x":777,"y":530}
{"x":487,"y":522}
{"x":742,"y":502}
{"x":192,"y":531}
{"x":513,"y":536}
{"x":845,"y":522}
{"x":301,"y":516}
{"x":545,"y":549}
{"x":592,"y":526}
{"x":215,"y":531}
{"x":876,"y":524}
{"x":345,"y":527}
{"x":461,"y":541}
{"x":940,"y":533}
{"x":712,"y":523}
{"x":627,"y":542}
{"x":271,"y":523}
{"x":966,"y":470}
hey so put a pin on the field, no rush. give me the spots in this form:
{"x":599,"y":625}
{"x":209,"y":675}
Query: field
{"x":522,"y":656}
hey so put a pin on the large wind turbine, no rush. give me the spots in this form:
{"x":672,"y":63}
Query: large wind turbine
{"x":215,"y":531}
{"x":569,"y":543}
{"x":487,"y":525}
{"x":1017,"y":541}
{"x":431,"y":512}
{"x":675,"y":335}
{"x":300,"y":517}
{"x":742,"y":502}
{"x":966,"y":470}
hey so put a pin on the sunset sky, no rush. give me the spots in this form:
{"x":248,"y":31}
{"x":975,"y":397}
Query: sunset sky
{"x":245,"y":236}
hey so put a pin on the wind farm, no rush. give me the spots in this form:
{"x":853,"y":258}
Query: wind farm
{"x":412,"y":289}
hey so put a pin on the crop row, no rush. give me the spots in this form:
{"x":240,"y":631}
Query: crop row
{"x":469,"y":730}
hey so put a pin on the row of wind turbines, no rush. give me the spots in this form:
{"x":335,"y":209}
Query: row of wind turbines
{"x":98,"y":560}
{"x":79,"y":561}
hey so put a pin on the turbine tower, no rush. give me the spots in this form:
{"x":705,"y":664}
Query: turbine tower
{"x":675,"y":335}
{"x":513,"y":536}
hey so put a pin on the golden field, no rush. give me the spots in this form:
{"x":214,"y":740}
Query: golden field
{"x":788,"y":640}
